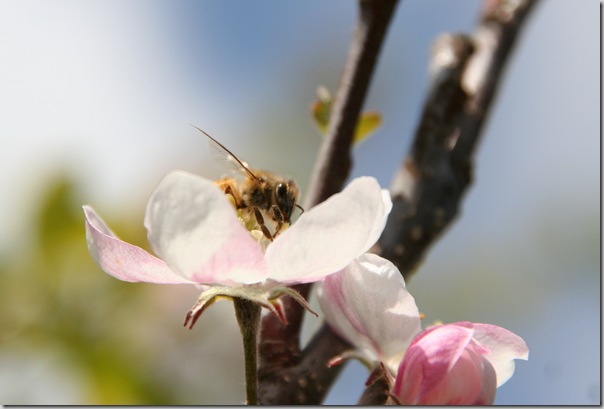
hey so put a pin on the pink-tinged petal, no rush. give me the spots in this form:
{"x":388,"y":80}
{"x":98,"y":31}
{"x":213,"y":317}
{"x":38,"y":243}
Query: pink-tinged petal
{"x":503,"y":347}
{"x":444,"y":366}
{"x":123,"y":260}
{"x":192,"y":226}
{"x":428,"y":360}
{"x":326,"y":238}
{"x":471,"y":381}
{"x":489,"y":384}
{"x":368,"y":304}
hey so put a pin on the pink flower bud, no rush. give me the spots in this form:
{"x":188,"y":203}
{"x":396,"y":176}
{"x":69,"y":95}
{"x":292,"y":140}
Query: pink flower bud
{"x":457,"y":364}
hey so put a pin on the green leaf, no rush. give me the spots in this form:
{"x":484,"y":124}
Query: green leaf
{"x":321,"y":110}
{"x":367,"y":124}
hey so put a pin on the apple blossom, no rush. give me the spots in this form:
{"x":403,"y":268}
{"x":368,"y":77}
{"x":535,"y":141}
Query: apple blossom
{"x":199,"y":239}
{"x":368,"y":304}
{"x":461,"y":364}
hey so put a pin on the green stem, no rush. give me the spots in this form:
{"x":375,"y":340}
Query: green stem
{"x":248,"y":317}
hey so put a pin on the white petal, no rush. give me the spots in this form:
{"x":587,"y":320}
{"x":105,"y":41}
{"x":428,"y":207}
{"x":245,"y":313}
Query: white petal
{"x":330,"y":235}
{"x":504,"y":346}
{"x":195,"y":230}
{"x":123,"y":260}
{"x":368,"y":304}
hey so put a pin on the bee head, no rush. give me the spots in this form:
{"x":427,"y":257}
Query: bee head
{"x":286,"y":194}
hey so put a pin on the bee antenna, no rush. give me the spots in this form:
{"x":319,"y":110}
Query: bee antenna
{"x":214,"y":140}
{"x":299,"y":207}
{"x":249,"y":172}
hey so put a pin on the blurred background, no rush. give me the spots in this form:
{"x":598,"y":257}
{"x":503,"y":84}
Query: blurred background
{"x":96,"y":102}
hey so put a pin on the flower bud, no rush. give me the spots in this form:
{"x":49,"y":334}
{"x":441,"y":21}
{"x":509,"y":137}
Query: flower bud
{"x":457,"y":364}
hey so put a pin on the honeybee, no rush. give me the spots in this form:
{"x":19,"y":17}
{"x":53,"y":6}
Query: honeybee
{"x":260,"y":194}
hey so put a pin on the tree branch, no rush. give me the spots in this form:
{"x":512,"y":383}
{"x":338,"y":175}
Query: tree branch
{"x":437,"y":171}
{"x":307,"y":381}
{"x":427,"y":189}
{"x":333,"y":161}
{"x":280,"y":358}
{"x":430,"y":182}
{"x":377,"y":391}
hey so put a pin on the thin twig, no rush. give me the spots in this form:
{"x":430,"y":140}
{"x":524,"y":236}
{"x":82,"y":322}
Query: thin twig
{"x":333,"y":162}
{"x":280,"y":356}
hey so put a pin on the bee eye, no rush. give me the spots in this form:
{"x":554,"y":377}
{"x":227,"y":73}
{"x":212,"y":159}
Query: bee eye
{"x":281,"y":190}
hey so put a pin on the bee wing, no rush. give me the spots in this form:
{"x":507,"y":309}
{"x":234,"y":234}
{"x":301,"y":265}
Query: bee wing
{"x":222,"y":155}
{"x":227,"y":159}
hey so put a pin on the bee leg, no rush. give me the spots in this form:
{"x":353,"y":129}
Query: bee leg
{"x":229,"y":191}
{"x":278,"y":216}
{"x":278,"y":229}
{"x":260,"y":221}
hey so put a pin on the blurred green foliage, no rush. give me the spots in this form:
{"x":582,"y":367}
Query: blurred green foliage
{"x":106,"y":333}
{"x":321,"y":111}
